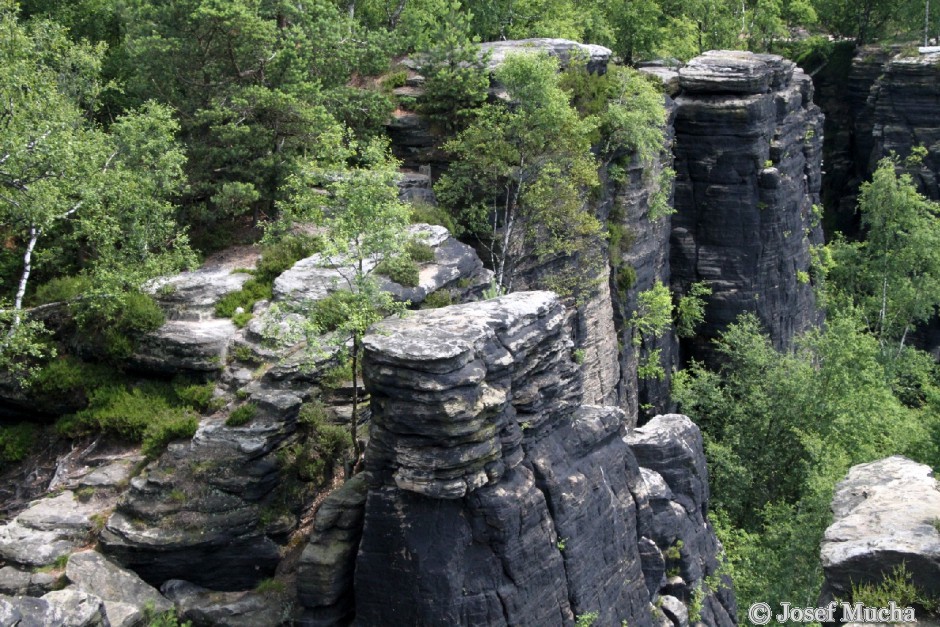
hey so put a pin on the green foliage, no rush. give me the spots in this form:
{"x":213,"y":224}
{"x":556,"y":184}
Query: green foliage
{"x":200,"y":396}
{"x":241,"y":415}
{"x":456,"y":81}
{"x":521,"y":174}
{"x":440,"y":298}
{"x":690,"y":310}
{"x":781,"y":429}
{"x":419,"y":252}
{"x":251,"y":292}
{"x":152,"y":618}
{"x":422,"y":212}
{"x":16,"y":442}
{"x":892,"y":278}
{"x":280,"y":256}
{"x":653,"y":315}
{"x":586,"y":620}
{"x":329,"y":313}
{"x":328,"y":441}
{"x":61,"y":289}
{"x":400,"y":269}
{"x":898,"y":587}
{"x":110,"y":326}
{"x":577,"y":356}
{"x":148,"y":413}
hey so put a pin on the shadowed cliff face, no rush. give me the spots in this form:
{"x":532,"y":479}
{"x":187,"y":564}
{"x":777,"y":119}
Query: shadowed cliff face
{"x":748,"y":146}
{"x":494,"y":497}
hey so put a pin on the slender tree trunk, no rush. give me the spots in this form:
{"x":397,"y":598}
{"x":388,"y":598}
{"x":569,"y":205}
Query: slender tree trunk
{"x":34,"y":234}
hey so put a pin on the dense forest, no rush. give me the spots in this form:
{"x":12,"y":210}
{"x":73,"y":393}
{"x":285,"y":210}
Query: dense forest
{"x":138,"y":137}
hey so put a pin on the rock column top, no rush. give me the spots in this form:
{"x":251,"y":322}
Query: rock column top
{"x":452,"y":388}
{"x":884,"y":514}
{"x":563,"y":49}
{"x":734,"y":72}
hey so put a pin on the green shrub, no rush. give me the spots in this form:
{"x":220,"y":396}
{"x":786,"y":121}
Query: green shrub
{"x":440,"y":298}
{"x":241,"y":415}
{"x":252,"y":291}
{"x":403,"y":270}
{"x":199,"y":395}
{"x":426,"y":213}
{"x":112,"y":326}
{"x":328,"y":442}
{"x":241,"y":319}
{"x":16,"y":442}
{"x":61,"y":289}
{"x":149,"y":413}
{"x":276,"y":258}
{"x":330,"y":312}
{"x":419,"y":252}
{"x":898,"y":587}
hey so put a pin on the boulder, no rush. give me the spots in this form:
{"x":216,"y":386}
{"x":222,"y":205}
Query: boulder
{"x":205,"y":607}
{"x":91,"y":572}
{"x":47,"y":530}
{"x":564,"y":50}
{"x":188,"y":345}
{"x":885,"y":513}
{"x":79,"y":609}
{"x":316,"y":277}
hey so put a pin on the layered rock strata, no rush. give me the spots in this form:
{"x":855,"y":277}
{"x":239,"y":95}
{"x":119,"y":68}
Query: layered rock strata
{"x":494,"y":496}
{"x":748,"y":146}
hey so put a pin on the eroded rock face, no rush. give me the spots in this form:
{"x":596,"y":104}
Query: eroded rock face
{"x":748,"y":146}
{"x":314,"y":278}
{"x":906,"y":98}
{"x":493,"y":496}
{"x":564,"y":50}
{"x":884,"y":514}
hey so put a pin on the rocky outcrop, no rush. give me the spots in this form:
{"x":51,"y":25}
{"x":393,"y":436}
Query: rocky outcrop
{"x":315,"y":277}
{"x":885,"y":514}
{"x":493,"y":496}
{"x":748,"y":146}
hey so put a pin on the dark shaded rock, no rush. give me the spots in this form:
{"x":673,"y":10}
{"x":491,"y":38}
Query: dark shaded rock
{"x":581,"y":470}
{"x":193,"y":345}
{"x":325,"y":570}
{"x":883,"y":516}
{"x":674,"y":480}
{"x":425,"y":561}
{"x":205,"y":608}
{"x":748,"y":146}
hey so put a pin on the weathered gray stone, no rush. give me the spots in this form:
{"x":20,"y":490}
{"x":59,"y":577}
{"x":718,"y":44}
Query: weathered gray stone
{"x":435,"y":435}
{"x":93,"y":573}
{"x":675,"y":610}
{"x":30,"y":612}
{"x":47,"y":530}
{"x":194,"y":345}
{"x":13,"y":581}
{"x":79,"y":609}
{"x":193,"y":295}
{"x":562,"y":49}
{"x":883,"y":516}
{"x":121,"y":614}
{"x":316,"y":277}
